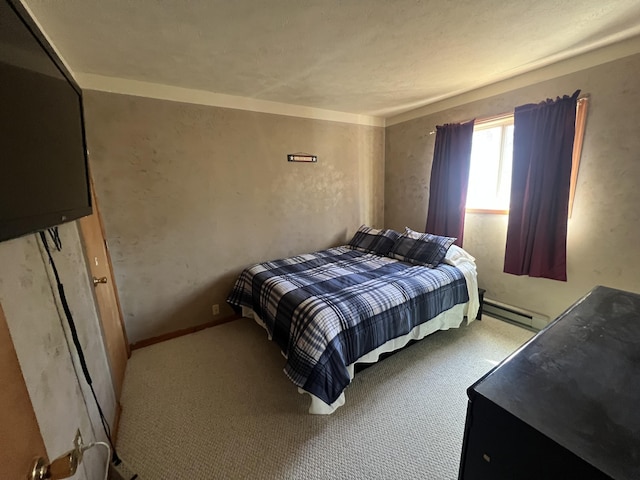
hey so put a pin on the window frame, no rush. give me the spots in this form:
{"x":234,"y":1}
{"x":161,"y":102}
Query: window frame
{"x":503,"y":121}
{"x":581,"y":121}
{"x":582,"y":107}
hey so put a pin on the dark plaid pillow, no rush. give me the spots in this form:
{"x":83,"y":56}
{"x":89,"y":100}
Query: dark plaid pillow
{"x":371,"y":240}
{"x":428,"y":250}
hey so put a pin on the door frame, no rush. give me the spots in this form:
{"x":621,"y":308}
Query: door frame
{"x":92,"y":230}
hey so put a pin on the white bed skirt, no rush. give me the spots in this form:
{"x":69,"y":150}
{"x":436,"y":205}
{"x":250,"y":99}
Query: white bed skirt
{"x":452,"y":318}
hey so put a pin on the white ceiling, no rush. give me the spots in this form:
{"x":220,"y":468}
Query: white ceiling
{"x":369,"y":57}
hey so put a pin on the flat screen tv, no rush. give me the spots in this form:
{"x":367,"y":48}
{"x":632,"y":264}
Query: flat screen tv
{"x":44,"y":177}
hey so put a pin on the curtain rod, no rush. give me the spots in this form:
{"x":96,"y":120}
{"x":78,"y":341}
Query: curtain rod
{"x":480,"y":121}
{"x":500,"y":116}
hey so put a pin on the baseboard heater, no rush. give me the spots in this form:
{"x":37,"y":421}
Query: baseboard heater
{"x":513,"y":314}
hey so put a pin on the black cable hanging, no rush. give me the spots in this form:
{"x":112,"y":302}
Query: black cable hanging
{"x":55,"y":238}
{"x":76,"y":341}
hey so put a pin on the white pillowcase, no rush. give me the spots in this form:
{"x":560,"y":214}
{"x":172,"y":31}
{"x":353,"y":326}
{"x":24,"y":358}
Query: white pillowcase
{"x":456,"y":255}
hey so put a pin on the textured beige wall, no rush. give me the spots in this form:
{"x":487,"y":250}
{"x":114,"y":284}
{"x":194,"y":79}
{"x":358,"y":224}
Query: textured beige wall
{"x":604,"y":231}
{"x":61,"y":401}
{"x":192,"y":194}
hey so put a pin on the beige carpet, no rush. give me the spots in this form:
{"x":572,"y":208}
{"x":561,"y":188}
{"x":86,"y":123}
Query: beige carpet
{"x":216,"y":405}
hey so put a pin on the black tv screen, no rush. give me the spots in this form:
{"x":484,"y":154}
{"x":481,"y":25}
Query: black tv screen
{"x":43,"y":161}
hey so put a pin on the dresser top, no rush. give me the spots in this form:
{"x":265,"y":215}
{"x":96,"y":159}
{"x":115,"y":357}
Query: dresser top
{"x":578,"y":381}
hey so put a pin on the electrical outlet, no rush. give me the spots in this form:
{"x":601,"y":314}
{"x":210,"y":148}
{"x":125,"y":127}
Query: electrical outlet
{"x":215,"y":309}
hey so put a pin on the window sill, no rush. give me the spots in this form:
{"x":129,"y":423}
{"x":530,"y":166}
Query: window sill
{"x":484,"y":211}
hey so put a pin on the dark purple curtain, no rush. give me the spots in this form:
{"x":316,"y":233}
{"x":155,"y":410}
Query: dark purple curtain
{"x":540,"y":179}
{"x":449,"y":180}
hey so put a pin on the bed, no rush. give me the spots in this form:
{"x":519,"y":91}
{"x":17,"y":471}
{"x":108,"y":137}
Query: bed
{"x":331,"y":309}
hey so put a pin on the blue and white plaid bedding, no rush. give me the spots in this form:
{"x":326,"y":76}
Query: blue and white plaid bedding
{"x":329,"y":308}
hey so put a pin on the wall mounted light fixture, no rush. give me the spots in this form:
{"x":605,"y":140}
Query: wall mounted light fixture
{"x":302,"y":157}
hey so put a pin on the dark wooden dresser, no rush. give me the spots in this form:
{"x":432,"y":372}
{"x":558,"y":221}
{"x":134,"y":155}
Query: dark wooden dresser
{"x":567,"y":404}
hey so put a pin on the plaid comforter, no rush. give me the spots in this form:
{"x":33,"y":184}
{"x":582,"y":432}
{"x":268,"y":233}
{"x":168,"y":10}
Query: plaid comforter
{"x":329,"y":308}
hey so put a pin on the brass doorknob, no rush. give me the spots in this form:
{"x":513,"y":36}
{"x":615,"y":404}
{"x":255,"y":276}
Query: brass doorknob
{"x":62,"y":467}
{"x":96,"y":281}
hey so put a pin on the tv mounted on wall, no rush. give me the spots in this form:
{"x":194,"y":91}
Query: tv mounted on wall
{"x":44,"y":177}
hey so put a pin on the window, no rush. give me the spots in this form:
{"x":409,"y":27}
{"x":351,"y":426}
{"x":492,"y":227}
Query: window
{"x":490,"y":170}
{"x":491,"y":158}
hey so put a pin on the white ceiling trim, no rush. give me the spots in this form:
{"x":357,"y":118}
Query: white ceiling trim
{"x":90,"y":81}
{"x":590,"y":59}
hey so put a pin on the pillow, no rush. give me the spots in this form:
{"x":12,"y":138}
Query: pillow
{"x":371,"y":240}
{"x":457,"y":256}
{"x":421,"y":248}
{"x":412,"y":233}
